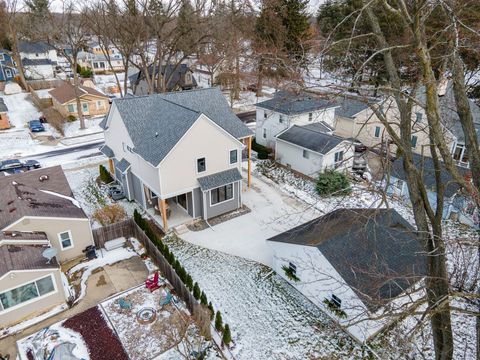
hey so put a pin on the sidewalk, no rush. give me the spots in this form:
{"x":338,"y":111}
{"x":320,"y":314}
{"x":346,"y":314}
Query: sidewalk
{"x":82,"y":139}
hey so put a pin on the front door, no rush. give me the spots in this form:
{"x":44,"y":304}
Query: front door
{"x":182,"y":200}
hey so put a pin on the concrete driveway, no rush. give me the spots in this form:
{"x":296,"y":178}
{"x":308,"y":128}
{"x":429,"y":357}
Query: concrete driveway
{"x":272,"y":212}
{"x":101,"y":284}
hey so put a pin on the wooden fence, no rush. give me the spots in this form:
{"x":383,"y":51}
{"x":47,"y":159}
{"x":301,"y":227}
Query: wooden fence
{"x":129,"y":228}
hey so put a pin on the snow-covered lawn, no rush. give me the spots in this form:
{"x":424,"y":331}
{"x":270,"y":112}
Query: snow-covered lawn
{"x":44,"y":93}
{"x":72,"y":128}
{"x":268,"y":318}
{"x":20,"y":109}
{"x":247,"y":100}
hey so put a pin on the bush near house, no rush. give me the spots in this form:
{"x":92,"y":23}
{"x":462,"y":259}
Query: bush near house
{"x":262,"y":151}
{"x":333,"y":183}
{"x":84,"y":72}
{"x":105,"y":175}
{"x":227,"y":336}
{"x":110,"y":214}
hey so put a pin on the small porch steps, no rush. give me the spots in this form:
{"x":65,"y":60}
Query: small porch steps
{"x":181,"y":229}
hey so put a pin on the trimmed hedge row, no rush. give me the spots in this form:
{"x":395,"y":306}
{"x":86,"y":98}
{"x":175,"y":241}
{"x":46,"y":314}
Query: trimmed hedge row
{"x":187,"y":279}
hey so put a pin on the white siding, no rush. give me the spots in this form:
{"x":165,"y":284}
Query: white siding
{"x":318,"y":281}
{"x":274,"y":127}
{"x":178,"y":171}
{"x":292,"y":155}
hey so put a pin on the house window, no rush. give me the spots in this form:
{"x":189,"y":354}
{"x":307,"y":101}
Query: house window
{"x":233,"y":156}
{"x":221,"y":194}
{"x":419,"y":117}
{"x":264,"y":133}
{"x":85,"y":107}
{"x":100,"y":104}
{"x":310,"y":117}
{"x":336,"y":301}
{"x":72,"y":108}
{"x":377,"y":131}
{"x":414,"y":141}
{"x":293,"y":268}
{"x":201,"y":165}
{"x":338,"y":157}
{"x":265,"y":115}
{"x":26,"y":292}
{"x":281,"y":119}
{"x":95,"y":65}
{"x":8,"y":73}
{"x":460,"y":154}
{"x":306,"y":154}
{"x":2,"y":57}
{"x":65,"y":240}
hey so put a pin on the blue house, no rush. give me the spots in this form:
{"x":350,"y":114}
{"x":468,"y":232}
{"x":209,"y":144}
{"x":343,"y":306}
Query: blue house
{"x":457,"y":205}
{"x":7,"y":67}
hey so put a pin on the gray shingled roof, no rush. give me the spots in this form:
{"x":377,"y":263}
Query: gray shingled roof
{"x":156,"y":122}
{"x":103,"y":123}
{"x":177,"y":79}
{"x":107,"y":151}
{"x":33,"y":47}
{"x":311,"y":137}
{"x":3,"y":106}
{"x":375,"y":251}
{"x":24,"y":195}
{"x":123,"y":165}
{"x":219,"y":179}
{"x":349,"y":107}
{"x":426,"y":164}
{"x":291,"y":104}
{"x":35,"y":62}
{"x":24,"y":257}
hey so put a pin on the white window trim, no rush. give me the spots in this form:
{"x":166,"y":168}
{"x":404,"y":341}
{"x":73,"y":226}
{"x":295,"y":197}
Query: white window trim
{"x":229,"y":159}
{"x":225,"y":201}
{"x":8,"y":73}
{"x":55,"y":290}
{"x":100,"y":104}
{"x":69,"y":236}
{"x":196,"y":165}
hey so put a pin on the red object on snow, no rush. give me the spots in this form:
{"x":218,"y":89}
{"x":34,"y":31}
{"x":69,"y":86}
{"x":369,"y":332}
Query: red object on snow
{"x":152,"y":283}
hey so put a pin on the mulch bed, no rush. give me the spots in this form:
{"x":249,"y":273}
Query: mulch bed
{"x":200,"y":225}
{"x":102,"y":342}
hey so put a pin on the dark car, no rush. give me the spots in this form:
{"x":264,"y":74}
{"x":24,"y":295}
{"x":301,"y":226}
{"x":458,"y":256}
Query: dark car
{"x":31,"y":164}
{"x":13,"y":165}
{"x":36,"y":126}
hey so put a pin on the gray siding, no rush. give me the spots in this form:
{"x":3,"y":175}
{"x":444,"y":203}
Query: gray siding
{"x":198,"y":202}
{"x":121,"y":178}
{"x":190,"y":204}
{"x":136,"y":189}
{"x":225,"y":206}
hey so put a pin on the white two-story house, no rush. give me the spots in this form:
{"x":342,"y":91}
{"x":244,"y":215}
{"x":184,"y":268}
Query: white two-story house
{"x":287,"y":109}
{"x":178,"y":154}
{"x":38,"y":59}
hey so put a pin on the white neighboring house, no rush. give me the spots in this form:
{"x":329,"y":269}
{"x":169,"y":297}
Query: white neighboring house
{"x":287,"y":109}
{"x":354,"y":264}
{"x":38,"y":59}
{"x":311,"y":149}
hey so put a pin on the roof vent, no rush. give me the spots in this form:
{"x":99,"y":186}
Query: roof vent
{"x":156,"y":133}
{"x":43,"y":178}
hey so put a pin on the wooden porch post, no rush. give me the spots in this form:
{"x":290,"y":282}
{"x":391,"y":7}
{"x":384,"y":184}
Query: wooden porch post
{"x":110,"y":166}
{"x":163,"y":210}
{"x":249,"y":176}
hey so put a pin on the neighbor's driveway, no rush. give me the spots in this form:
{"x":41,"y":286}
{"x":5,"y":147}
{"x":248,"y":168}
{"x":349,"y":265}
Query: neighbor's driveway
{"x":272,"y":212}
{"x":103,"y":283}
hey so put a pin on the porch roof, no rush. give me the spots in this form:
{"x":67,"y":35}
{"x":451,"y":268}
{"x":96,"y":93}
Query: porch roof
{"x":123,"y":165}
{"x":218,"y":179}
{"x":107,"y":151}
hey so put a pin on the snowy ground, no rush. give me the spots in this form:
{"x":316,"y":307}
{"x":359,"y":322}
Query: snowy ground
{"x":72,"y":128}
{"x":44,"y":93}
{"x":247,"y":100}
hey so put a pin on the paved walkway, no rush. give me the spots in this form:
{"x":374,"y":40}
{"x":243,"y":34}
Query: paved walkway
{"x":273,"y":212}
{"x":100,"y":285}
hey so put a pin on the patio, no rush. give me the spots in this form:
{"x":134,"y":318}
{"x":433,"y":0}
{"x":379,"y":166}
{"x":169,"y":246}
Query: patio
{"x":177,"y":215}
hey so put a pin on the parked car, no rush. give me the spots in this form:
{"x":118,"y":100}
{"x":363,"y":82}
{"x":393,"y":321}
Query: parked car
{"x":116,"y":192}
{"x":36,"y":126}
{"x":31,"y":164}
{"x":15,"y":165}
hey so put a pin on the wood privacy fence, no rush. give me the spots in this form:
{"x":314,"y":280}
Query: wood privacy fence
{"x":128,"y":228}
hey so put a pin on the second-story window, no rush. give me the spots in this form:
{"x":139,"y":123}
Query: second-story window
{"x":281,"y":119}
{"x":414,"y":141}
{"x":310,"y":117}
{"x":377,"y":131}
{"x":265,"y":114}
{"x":419,"y":117}
{"x":233,"y":156}
{"x":264,"y":133}
{"x":201,"y":165}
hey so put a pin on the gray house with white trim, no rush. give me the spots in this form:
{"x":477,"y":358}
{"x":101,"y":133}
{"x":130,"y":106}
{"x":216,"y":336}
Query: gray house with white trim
{"x":178,"y":154}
